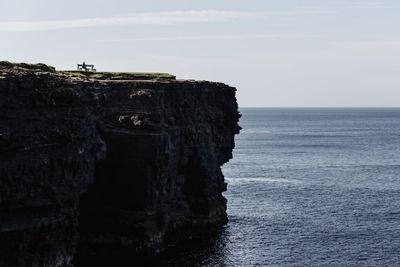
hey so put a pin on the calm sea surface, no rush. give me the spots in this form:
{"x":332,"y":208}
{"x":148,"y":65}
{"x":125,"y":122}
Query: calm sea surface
{"x":311,"y":187}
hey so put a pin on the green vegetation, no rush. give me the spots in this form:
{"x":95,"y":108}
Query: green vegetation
{"x":122,"y":75}
{"x":89,"y":74}
{"x":39,"y":66}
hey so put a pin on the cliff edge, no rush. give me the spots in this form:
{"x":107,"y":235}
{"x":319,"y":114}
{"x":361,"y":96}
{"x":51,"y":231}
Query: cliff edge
{"x":94,"y":165}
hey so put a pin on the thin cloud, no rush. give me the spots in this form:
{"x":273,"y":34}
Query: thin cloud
{"x":198,"y":38}
{"x":371,"y":5}
{"x":158,"y":18}
{"x":304,"y":11}
{"x":360,"y":44}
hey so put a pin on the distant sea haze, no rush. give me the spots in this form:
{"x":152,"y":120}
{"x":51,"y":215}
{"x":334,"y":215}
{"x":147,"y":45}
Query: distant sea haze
{"x":311,"y":187}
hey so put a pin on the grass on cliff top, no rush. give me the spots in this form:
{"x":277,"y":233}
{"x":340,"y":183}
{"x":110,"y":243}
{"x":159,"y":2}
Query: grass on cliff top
{"x":122,"y":75}
{"x":39,"y":66}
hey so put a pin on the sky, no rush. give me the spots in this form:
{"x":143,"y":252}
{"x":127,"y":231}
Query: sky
{"x":286,"y":53}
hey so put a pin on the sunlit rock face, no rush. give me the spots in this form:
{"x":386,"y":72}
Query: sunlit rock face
{"x":89,"y":166}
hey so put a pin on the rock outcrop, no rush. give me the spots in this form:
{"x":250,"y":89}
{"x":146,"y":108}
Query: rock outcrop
{"x":89,"y":166}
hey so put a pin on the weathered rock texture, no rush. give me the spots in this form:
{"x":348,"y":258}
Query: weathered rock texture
{"x":108,"y":166}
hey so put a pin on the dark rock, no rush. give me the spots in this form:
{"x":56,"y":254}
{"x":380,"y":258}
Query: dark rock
{"x":108,"y":167}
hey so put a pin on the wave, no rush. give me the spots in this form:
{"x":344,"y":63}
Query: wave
{"x":255,"y":131}
{"x":234,"y":180}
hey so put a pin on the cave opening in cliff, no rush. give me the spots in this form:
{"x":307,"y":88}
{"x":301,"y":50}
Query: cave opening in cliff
{"x":108,"y":209}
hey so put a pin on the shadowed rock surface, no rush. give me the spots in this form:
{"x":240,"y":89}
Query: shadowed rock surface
{"x":100,"y":168}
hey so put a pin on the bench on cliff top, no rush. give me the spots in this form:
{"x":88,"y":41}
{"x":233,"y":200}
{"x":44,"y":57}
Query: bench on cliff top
{"x":86,"y":68}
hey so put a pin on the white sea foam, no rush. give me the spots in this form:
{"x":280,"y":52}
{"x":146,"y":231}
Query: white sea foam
{"x":233,"y":180}
{"x":257,"y":131}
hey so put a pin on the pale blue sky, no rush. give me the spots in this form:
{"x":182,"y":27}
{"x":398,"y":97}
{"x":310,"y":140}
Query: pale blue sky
{"x":282,"y":53}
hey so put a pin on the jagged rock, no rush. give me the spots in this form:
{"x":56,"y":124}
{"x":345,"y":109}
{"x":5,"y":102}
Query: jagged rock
{"x":108,"y":165}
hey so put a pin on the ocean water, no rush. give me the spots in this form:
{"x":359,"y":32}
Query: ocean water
{"x":310,"y":187}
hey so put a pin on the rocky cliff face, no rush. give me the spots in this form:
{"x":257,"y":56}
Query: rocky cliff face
{"x":110,"y":166}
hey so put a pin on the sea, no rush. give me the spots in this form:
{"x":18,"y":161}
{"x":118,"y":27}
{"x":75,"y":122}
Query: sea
{"x":310,"y":187}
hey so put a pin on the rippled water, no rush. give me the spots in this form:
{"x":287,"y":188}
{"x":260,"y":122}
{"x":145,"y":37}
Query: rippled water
{"x":311,"y":187}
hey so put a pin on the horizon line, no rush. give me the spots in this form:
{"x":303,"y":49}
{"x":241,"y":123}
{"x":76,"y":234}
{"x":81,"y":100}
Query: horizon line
{"x":310,"y":107}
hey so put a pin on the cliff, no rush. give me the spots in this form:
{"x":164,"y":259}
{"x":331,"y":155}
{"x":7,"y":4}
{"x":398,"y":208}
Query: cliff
{"x":105,"y":164}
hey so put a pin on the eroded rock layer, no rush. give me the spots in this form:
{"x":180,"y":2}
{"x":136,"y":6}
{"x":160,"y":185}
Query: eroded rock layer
{"x":100,"y":166}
